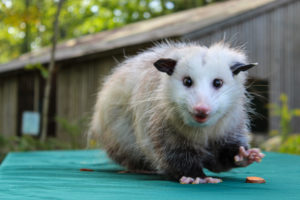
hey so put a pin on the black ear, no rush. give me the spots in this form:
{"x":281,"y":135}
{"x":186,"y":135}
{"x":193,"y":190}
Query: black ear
{"x":166,"y":65}
{"x":238,"y":67}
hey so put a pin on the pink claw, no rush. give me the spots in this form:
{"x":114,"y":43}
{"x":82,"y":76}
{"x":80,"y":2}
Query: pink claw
{"x":247,"y":157}
{"x":186,"y":180}
{"x":213,"y":180}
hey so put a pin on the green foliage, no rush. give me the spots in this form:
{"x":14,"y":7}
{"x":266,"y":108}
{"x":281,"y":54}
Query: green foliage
{"x":32,"y":143}
{"x":291,"y":145}
{"x":286,"y":115}
{"x":26,"y":25}
{"x":18,"y":19}
{"x":283,"y":140}
{"x":29,"y":143}
{"x":73,"y":129}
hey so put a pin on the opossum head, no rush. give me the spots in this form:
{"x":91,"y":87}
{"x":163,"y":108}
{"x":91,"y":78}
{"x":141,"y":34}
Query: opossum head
{"x":204,"y":84}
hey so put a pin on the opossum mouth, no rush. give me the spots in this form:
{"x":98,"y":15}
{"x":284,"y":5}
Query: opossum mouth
{"x":201,"y":118}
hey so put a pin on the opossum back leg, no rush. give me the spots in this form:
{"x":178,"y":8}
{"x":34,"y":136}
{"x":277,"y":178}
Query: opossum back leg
{"x":130,"y":159}
{"x":120,"y":144}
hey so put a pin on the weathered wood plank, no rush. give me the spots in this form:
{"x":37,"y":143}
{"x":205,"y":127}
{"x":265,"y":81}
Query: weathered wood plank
{"x":77,"y":89}
{"x":8,"y":106}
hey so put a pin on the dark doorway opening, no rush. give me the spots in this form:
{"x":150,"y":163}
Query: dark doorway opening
{"x":30,"y":98}
{"x":259,"y":91}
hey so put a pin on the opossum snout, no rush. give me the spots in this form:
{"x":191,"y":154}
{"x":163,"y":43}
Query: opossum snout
{"x":201,"y":113}
{"x":202,"y":109}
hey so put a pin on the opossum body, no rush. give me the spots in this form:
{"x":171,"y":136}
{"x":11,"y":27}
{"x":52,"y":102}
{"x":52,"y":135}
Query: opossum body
{"x":175,"y":109}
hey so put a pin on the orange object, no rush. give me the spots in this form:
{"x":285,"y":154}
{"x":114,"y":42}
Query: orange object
{"x":86,"y":170}
{"x":253,"y":179}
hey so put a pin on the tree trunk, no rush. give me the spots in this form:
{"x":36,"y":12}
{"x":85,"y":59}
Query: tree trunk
{"x":48,"y":85}
{"x":26,"y":42}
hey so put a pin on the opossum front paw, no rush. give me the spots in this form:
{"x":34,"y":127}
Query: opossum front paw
{"x":247,"y":157}
{"x":197,"y":180}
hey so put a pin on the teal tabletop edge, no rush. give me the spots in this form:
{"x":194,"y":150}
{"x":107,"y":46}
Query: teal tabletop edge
{"x":58,"y":175}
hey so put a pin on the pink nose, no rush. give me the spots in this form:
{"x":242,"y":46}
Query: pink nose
{"x":201,"y":112}
{"x":202,"y":109}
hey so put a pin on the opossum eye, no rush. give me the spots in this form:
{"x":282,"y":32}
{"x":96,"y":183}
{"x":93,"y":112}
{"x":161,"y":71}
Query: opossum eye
{"x":217,"y":83}
{"x":187,"y":81}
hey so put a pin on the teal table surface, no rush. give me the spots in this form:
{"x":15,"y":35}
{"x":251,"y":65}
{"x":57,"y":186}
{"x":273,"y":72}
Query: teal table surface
{"x":57,"y":175}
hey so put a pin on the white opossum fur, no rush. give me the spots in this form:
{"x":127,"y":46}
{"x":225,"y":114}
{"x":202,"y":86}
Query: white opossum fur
{"x":144,"y":117}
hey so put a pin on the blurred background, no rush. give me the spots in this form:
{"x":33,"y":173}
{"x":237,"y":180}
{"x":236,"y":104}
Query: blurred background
{"x":46,"y":101}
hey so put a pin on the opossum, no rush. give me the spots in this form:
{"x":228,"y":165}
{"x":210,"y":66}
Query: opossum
{"x":175,"y":109}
